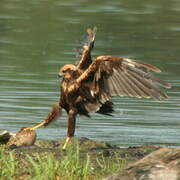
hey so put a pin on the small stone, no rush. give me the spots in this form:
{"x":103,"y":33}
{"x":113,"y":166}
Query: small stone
{"x":25,"y":137}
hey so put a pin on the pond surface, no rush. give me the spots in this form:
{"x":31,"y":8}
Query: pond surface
{"x":38,"y":36}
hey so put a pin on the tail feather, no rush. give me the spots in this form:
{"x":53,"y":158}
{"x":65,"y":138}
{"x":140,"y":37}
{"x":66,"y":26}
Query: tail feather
{"x":106,"y":108}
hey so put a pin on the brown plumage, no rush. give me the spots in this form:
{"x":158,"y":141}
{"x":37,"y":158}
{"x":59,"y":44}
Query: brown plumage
{"x":53,"y":115}
{"x":89,"y":85}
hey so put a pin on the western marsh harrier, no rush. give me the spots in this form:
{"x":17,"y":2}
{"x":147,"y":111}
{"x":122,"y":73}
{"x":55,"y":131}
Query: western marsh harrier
{"x":88,"y":86}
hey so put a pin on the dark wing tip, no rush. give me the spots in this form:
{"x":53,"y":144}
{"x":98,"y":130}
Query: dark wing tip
{"x":87,"y":42}
{"x":145,"y":67}
{"x":91,"y":33}
{"x":84,"y":52}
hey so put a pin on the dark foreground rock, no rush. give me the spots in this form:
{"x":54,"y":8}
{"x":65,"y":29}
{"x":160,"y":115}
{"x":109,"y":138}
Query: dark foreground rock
{"x":162,"y":164}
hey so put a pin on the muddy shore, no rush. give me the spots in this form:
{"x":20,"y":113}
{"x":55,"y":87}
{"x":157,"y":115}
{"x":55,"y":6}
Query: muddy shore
{"x":143,"y":161}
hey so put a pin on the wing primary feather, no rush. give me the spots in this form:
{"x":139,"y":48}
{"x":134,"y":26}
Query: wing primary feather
{"x":110,"y":86}
{"x":142,"y":90}
{"x":150,"y":88}
{"x":106,"y":87}
{"x":142,"y":64}
{"x":150,"y":85}
{"x":132,"y":85}
{"x":149,"y":76}
{"x":126,"y":84}
{"x":161,"y":82}
{"x":113,"y":84}
{"x":113,"y":87}
{"x":119,"y":90}
{"x":125,"y":88}
{"x":123,"y":85}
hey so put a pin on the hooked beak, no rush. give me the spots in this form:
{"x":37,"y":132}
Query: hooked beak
{"x":60,"y":75}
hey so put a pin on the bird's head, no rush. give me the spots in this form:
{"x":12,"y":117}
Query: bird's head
{"x":67,"y":70}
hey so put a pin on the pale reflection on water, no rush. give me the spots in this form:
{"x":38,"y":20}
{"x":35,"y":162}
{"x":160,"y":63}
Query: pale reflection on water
{"x":37,"y":37}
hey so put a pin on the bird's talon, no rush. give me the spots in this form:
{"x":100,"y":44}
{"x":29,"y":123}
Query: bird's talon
{"x":68,"y":139}
{"x":29,"y":128}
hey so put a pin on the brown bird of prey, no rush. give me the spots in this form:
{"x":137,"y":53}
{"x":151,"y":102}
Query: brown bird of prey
{"x":88,"y":86}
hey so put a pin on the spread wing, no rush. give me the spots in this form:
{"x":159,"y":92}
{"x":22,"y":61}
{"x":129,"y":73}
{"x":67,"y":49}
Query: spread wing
{"x":115,"y":76}
{"x":85,"y":51}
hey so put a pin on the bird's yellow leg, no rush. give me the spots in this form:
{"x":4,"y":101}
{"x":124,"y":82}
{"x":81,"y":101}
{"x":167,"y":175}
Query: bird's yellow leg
{"x":35,"y":127}
{"x":71,"y":126}
{"x":68,"y":139}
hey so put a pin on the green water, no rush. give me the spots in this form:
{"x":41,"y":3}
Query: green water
{"x":38,"y":36}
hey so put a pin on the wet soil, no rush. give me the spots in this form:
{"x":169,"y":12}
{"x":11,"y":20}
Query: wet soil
{"x":93,"y":148}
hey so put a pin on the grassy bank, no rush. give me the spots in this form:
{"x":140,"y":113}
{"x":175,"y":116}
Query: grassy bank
{"x":46,"y":165}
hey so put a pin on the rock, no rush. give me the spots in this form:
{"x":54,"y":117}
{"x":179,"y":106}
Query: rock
{"x":85,"y":143}
{"x":162,"y":164}
{"x":25,"y":137}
